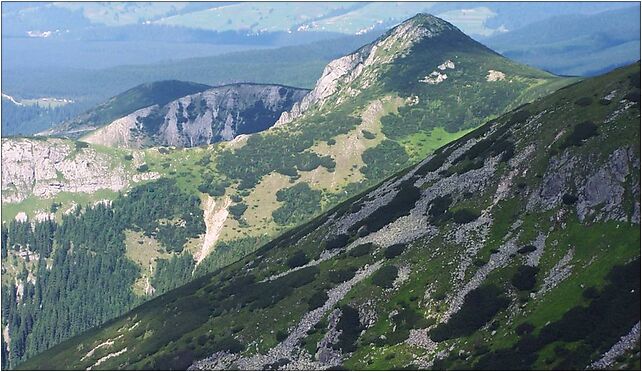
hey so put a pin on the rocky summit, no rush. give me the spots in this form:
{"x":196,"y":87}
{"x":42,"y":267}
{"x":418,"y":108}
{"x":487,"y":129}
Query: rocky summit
{"x":495,"y":252}
{"x":369,"y":61}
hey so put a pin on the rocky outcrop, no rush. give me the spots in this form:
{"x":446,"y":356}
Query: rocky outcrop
{"x":120,"y":133}
{"x":626,"y":343}
{"x":217,"y":114}
{"x":600,"y":190}
{"x":605,"y":188}
{"x":44,"y":168}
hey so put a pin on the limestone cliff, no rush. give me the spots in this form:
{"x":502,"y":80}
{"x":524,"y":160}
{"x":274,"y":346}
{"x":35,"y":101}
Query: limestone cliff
{"x":44,"y":168}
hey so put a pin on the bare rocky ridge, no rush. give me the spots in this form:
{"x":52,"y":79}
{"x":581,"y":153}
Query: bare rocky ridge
{"x":217,"y":114}
{"x":627,"y":342}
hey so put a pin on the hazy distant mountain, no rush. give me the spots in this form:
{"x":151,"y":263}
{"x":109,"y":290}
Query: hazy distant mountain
{"x":575,"y":44}
{"x":67,"y":34}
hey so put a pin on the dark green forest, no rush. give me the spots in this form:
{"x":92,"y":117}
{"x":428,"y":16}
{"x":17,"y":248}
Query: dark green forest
{"x":82,"y":276}
{"x":29,"y":119}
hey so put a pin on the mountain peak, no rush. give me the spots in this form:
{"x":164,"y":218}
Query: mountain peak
{"x":429,"y":21}
{"x":469,"y":225}
{"x":366,"y":67}
{"x":424,"y":25}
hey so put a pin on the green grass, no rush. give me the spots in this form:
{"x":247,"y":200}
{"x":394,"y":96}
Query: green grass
{"x":597,"y":250}
{"x":32,"y":205}
{"x":421,"y":144}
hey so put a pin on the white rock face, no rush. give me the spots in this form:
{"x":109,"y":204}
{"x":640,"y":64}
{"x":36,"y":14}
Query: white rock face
{"x":343,"y":70}
{"x":447,"y":65}
{"x":121,"y":132}
{"x":434,"y":78}
{"x":44,"y":168}
{"x":495,"y":75}
{"x":437,"y":77}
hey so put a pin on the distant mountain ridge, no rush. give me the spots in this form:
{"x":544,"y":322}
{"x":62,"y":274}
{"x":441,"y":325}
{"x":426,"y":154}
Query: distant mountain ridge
{"x":213,"y":115}
{"x":575,"y":44}
{"x":141,"y":96}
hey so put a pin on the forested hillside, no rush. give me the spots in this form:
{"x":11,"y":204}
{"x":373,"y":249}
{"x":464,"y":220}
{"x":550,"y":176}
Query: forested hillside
{"x":88,"y":278}
{"x":28,"y":119}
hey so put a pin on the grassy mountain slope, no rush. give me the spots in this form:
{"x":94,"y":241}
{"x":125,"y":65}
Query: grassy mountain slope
{"x":144,"y":95}
{"x":378,"y":104}
{"x":371,"y":114}
{"x":494,"y":253}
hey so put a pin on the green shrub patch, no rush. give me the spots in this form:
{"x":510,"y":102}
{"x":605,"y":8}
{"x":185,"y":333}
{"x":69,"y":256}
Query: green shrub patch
{"x":350,"y":328}
{"x":527,"y":249}
{"x":525,"y":278}
{"x":399,"y":206}
{"x":581,"y":132}
{"x":317,"y":300}
{"x":569,"y":199}
{"x":394,"y":250}
{"x":361,"y":250}
{"x":465,"y":215}
{"x":385,"y":276}
{"x":479,"y":307}
{"x":300,"y":202}
{"x":298,"y":259}
{"x":584,"y":101}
